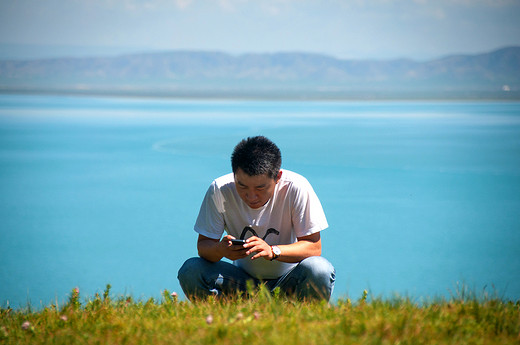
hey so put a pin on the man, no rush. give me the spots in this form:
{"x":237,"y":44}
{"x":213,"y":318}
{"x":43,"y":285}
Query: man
{"x":280,"y":218}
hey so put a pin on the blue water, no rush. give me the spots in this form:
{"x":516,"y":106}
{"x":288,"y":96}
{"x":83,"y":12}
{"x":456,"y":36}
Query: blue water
{"x":420,"y":196}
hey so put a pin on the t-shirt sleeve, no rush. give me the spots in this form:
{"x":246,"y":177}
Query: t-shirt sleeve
{"x":210,"y":221}
{"x":307,"y":214}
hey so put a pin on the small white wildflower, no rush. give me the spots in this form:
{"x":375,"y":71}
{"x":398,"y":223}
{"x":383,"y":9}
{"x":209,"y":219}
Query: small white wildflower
{"x":26,"y":325}
{"x":209,"y":319}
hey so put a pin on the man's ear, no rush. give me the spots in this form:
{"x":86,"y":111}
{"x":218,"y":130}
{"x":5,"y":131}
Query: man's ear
{"x":279,"y":176}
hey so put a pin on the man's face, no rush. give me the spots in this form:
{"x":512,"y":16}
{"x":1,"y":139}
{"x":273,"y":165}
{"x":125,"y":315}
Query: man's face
{"x":255,"y":190}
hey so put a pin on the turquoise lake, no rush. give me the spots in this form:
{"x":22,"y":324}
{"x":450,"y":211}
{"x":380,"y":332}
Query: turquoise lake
{"x":421,"y":197}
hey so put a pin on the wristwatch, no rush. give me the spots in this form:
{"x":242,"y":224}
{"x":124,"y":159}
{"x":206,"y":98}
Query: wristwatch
{"x":276,"y":252}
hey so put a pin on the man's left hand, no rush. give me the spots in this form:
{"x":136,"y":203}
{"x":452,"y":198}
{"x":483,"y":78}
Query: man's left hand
{"x":259,"y":247}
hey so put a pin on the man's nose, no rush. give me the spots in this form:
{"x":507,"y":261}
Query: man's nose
{"x":251,"y":195}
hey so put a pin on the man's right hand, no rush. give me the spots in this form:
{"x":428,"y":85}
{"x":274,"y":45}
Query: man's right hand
{"x":231,"y":251}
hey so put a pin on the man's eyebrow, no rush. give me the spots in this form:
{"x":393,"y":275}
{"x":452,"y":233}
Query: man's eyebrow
{"x":244,"y":185}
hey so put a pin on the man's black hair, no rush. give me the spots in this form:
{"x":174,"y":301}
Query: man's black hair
{"x":257,"y":156}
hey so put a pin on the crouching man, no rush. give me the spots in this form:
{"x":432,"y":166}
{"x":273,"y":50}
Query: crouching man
{"x":280,"y":218}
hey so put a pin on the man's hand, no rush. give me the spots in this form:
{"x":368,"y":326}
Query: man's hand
{"x":259,"y":247}
{"x":231,"y":251}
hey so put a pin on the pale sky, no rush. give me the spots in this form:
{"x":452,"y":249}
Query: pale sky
{"x":375,"y":29}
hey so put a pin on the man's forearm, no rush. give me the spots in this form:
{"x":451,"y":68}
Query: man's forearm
{"x":209,"y":250}
{"x":298,"y":251}
{"x":306,"y":246}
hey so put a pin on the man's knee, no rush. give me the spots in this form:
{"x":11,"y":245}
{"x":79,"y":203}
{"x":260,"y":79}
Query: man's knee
{"x":191,"y":268}
{"x":191,"y":277}
{"x":187,"y":267}
{"x":319,"y":268}
{"x":320,"y":277}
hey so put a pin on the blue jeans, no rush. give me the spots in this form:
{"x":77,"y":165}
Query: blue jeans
{"x":312,"y":278}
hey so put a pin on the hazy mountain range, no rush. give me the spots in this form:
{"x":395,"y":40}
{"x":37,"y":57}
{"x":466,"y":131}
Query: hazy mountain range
{"x":302,"y":75}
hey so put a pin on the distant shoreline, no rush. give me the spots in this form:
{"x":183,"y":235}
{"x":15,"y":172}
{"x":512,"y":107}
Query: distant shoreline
{"x":287,"y":95}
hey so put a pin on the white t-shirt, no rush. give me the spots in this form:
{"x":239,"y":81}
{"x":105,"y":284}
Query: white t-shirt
{"x":293,"y":211}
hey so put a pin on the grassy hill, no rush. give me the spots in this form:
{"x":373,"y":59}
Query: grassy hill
{"x":264,"y":319}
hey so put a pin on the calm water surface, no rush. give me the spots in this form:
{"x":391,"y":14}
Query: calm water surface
{"x":420,"y":196}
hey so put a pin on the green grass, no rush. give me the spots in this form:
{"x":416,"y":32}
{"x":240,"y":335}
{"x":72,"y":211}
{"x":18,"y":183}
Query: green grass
{"x":264,"y":319}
